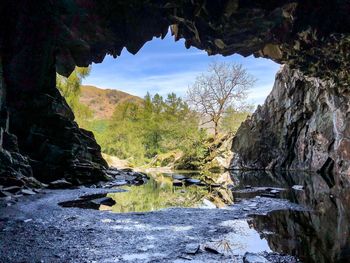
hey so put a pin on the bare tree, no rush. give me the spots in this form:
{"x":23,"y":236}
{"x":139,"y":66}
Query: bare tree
{"x":224,"y":85}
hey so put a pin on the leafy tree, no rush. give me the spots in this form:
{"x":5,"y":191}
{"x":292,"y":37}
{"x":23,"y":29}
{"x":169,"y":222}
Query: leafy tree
{"x":156,"y":126}
{"x":223,"y":86}
{"x":70,"y":90}
{"x":233,"y":118}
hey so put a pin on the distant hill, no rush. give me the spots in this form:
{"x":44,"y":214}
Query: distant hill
{"x":103,"y":101}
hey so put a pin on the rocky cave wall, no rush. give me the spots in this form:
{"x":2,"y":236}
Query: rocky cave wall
{"x":303,"y":125}
{"x":38,"y":38}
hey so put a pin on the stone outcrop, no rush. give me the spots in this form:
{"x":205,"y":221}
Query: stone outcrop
{"x":38,"y":38}
{"x":303,"y":125}
{"x":15,"y":169}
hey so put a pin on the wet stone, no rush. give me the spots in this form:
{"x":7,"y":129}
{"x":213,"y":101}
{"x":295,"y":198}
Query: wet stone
{"x":254,"y":258}
{"x":4,"y":194}
{"x":211,"y":249}
{"x":113,"y":172}
{"x":60,"y":184}
{"x":27,"y":192}
{"x":126,"y":170}
{"x":177,"y":183}
{"x":193,"y":181}
{"x":115,"y":183}
{"x":130,"y":178}
{"x":12,"y":189}
{"x":104,"y":201}
{"x":179,"y":177}
{"x":89,"y":201}
{"x":192,"y":249}
{"x":253,"y":205}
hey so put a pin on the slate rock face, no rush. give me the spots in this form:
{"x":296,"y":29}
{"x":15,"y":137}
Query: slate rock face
{"x":14,"y":167}
{"x":304,"y":124}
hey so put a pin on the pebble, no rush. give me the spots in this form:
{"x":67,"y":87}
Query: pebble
{"x":192,"y":248}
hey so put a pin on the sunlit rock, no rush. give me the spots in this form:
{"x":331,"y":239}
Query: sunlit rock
{"x":299,"y":127}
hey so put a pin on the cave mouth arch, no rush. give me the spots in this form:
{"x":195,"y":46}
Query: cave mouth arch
{"x":39,"y":38}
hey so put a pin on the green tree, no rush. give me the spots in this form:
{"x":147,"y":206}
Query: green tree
{"x":70,"y":90}
{"x":233,"y":118}
{"x":153,"y":127}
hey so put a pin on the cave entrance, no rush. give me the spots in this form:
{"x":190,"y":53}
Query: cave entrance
{"x":113,"y":95}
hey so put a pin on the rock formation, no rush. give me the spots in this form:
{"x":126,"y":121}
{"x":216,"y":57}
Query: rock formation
{"x":303,"y":125}
{"x":38,"y":38}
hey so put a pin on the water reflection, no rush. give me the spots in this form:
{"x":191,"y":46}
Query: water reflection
{"x":243,"y":238}
{"x":321,"y":235}
{"x":164,"y":190}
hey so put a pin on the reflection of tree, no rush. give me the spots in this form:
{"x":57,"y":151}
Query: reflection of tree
{"x":160,"y":193}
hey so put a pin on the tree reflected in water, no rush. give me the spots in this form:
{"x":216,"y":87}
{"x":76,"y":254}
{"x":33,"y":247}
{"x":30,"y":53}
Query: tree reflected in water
{"x":159,"y":193}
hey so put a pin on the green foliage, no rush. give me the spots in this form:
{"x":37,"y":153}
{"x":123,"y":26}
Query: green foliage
{"x":140,"y":131}
{"x":70,"y":90}
{"x":233,"y":118}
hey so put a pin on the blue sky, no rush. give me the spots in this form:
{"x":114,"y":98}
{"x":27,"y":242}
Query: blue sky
{"x":164,"y":66}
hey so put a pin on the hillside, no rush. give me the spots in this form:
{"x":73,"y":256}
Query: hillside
{"x":103,"y":101}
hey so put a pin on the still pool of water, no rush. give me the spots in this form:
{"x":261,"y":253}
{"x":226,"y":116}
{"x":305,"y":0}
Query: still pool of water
{"x":320,"y":234}
{"x":159,"y":192}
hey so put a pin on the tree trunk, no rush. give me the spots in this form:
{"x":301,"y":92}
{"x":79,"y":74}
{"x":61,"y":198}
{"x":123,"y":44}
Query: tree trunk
{"x":216,"y":126}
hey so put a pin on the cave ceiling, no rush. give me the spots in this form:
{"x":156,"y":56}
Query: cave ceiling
{"x":310,"y":35}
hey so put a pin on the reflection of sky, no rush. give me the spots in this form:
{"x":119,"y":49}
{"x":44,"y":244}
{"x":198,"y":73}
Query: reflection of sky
{"x":165,"y":66}
{"x":243,"y":239}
